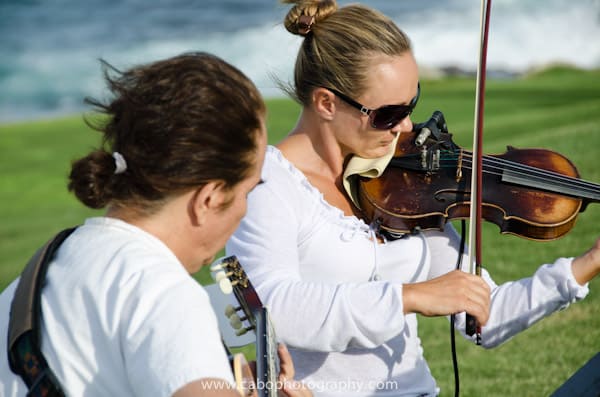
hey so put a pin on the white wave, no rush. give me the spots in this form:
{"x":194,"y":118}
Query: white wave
{"x":523,"y":34}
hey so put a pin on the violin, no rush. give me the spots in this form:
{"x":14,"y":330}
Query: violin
{"x":532,"y":193}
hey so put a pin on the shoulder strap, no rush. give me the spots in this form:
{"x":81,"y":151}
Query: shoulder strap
{"x":24,"y":352}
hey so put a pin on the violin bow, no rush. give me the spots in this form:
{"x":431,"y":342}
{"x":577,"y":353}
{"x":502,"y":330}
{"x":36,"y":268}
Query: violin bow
{"x":474,"y":253}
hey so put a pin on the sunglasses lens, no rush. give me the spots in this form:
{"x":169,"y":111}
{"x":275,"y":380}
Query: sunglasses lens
{"x":387,"y":117}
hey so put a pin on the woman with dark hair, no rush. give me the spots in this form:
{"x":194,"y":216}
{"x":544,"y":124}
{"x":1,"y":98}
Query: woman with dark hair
{"x":183,"y":145}
{"x":343,"y":294}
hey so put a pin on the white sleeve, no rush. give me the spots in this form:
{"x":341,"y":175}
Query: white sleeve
{"x":322,"y":316}
{"x":515,"y":305}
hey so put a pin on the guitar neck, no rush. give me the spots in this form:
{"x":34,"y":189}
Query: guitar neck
{"x":232,"y":278}
{"x":267,"y":361}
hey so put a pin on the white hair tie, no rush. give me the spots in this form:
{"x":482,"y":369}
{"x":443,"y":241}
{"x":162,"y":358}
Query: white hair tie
{"x":120,"y":163}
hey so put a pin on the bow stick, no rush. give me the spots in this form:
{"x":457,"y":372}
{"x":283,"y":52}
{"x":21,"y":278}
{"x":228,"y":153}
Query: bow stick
{"x":474,"y":254}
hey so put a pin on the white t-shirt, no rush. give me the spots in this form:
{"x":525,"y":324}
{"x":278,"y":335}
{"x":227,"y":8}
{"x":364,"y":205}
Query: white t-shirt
{"x":335,"y":295}
{"x":121,"y":317}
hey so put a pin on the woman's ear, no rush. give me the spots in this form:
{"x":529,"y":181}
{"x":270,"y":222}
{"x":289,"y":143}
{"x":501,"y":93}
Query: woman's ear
{"x":205,"y":199}
{"x":324,"y":102}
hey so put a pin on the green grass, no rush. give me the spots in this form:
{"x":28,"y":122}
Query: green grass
{"x":558,"y":109}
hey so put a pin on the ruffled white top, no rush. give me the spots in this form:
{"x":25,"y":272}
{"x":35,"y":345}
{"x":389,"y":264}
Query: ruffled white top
{"x":335,"y":295}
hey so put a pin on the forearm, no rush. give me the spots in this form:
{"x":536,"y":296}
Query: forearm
{"x":587,"y":266}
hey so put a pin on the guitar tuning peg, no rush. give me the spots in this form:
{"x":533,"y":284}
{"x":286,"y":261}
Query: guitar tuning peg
{"x":241,"y":331}
{"x":230,"y":310}
{"x":217,"y":264}
{"x":223,"y":281}
{"x":225,"y":286}
{"x":235,"y":321}
{"x":218,"y":276}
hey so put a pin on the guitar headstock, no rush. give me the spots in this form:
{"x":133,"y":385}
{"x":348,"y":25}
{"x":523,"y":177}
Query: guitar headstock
{"x":231,"y":278}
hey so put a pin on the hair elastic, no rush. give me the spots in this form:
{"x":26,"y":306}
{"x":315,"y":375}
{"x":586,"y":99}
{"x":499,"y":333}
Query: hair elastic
{"x":120,"y":163}
{"x":305,"y":23}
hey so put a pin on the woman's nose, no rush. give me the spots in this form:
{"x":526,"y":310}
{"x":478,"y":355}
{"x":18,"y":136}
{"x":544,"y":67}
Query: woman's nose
{"x":405,"y":125}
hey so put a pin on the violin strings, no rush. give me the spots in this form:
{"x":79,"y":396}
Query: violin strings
{"x":527,"y":170}
{"x":558,"y":182}
{"x":496,"y":166}
{"x":549,"y":177}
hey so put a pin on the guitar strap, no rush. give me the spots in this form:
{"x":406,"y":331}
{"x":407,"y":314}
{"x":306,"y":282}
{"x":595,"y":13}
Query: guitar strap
{"x":24,"y":344}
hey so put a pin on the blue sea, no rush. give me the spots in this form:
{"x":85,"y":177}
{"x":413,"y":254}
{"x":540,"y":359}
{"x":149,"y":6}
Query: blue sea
{"x":49,"y":49}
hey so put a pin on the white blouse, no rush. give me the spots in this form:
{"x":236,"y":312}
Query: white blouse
{"x":335,"y":295}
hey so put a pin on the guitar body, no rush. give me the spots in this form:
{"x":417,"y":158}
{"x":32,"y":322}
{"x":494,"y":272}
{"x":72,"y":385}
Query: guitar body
{"x":243,"y":376}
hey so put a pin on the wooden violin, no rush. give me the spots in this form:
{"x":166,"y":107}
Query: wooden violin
{"x":531,"y":193}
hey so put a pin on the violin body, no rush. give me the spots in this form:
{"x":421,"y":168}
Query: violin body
{"x":531,"y":193}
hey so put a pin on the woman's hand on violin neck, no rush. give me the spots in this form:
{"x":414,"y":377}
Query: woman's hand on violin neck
{"x":587,"y":266}
{"x":452,"y":293}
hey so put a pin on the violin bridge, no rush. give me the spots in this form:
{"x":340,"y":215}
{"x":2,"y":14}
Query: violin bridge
{"x":436,"y":160}
{"x":424,"y":157}
{"x":430,"y":159}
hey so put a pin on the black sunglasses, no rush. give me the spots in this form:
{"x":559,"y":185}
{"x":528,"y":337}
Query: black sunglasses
{"x":385,"y":117}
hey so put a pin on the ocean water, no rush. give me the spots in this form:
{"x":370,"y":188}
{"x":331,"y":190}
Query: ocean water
{"x":49,"y":49}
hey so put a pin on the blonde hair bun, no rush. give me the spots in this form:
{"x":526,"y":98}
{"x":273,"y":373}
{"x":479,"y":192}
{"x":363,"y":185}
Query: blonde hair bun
{"x":306,"y":14}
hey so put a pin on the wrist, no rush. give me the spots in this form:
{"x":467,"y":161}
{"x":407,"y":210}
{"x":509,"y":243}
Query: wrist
{"x":408,"y":299}
{"x":586,"y":267}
